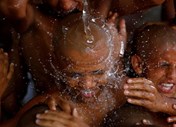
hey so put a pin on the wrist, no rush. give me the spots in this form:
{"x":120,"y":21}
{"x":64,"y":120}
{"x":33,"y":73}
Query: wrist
{"x":168,"y":106}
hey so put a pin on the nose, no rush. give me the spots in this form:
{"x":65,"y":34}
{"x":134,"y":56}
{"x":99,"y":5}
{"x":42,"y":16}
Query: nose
{"x":171,"y":74}
{"x":88,"y":82}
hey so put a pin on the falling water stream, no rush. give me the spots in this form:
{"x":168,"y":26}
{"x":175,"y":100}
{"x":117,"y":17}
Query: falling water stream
{"x":86,"y":17}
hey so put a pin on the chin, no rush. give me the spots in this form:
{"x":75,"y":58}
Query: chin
{"x":88,"y":98}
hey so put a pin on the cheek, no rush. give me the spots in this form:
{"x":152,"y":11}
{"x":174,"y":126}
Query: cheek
{"x":155,"y":75}
{"x":72,"y":82}
{"x":101,"y":79}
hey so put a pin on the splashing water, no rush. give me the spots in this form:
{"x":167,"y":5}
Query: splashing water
{"x":85,"y":17}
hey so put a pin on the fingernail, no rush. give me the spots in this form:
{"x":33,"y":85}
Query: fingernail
{"x":38,"y":116}
{"x":37,"y":121}
{"x":46,"y":111}
{"x":129,"y":80}
{"x":125,"y":86}
{"x":126,"y":92}
{"x":174,"y":106}
{"x":53,"y":108}
{"x":75,"y":113}
{"x":168,"y":120}
{"x":129,"y":100}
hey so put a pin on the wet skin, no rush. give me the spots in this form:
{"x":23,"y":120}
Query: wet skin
{"x":157,"y":63}
{"x":83,"y":70}
{"x":135,"y":116}
{"x":34,"y":26}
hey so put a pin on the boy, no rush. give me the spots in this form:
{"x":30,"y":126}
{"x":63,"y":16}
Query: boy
{"x":89,"y":74}
{"x":154,"y":59}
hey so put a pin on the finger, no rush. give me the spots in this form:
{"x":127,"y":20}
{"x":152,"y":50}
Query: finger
{"x":174,"y":106}
{"x":51,"y":103}
{"x":112,"y":18}
{"x":11,"y":71}
{"x":1,"y":50}
{"x":57,"y":101}
{"x":140,"y":86}
{"x":5,"y":63}
{"x":65,"y":106}
{"x":3,"y":88}
{"x":122,"y":30}
{"x":174,"y":125}
{"x":61,"y":117}
{"x":48,"y":123}
{"x":138,"y":102}
{"x":171,"y":119}
{"x":55,"y":114}
{"x":139,"y":80}
{"x":146,"y":122}
{"x":75,"y":113}
{"x":139,"y":94}
{"x":1,"y":59}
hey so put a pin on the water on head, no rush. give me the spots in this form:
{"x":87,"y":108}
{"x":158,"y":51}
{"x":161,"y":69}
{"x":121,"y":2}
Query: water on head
{"x":72,"y":46}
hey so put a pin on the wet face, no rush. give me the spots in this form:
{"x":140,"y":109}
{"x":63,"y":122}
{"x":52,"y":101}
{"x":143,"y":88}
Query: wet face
{"x":85,"y":64}
{"x":86,"y":71}
{"x":86,"y":80}
{"x":161,"y":69}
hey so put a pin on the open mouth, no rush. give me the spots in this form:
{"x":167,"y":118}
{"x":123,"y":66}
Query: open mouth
{"x":88,"y":93}
{"x":166,"y":87}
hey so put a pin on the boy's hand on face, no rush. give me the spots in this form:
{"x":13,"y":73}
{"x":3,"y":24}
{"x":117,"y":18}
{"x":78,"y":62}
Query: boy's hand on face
{"x":60,"y":119}
{"x":6,"y":71}
{"x":140,"y":91}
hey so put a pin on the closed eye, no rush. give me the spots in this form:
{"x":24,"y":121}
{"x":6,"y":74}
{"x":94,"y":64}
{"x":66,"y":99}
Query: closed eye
{"x":75,"y":75}
{"x":98,"y":72}
{"x":164,"y":64}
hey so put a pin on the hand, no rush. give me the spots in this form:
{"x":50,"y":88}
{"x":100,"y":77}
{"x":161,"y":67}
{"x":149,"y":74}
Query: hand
{"x":145,"y":122}
{"x":14,"y":9}
{"x":172,"y":119}
{"x":60,"y":119}
{"x":66,"y":117}
{"x":119,"y":36}
{"x":6,"y":71}
{"x":54,"y":100}
{"x":140,"y":91}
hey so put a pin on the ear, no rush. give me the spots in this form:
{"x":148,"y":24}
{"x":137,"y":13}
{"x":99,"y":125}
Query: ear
{"x":137,"y":64}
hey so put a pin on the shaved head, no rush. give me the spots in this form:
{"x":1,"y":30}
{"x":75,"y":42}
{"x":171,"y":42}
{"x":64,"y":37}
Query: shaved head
{"x":73,"y":44}
{"x":152,"y":38}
